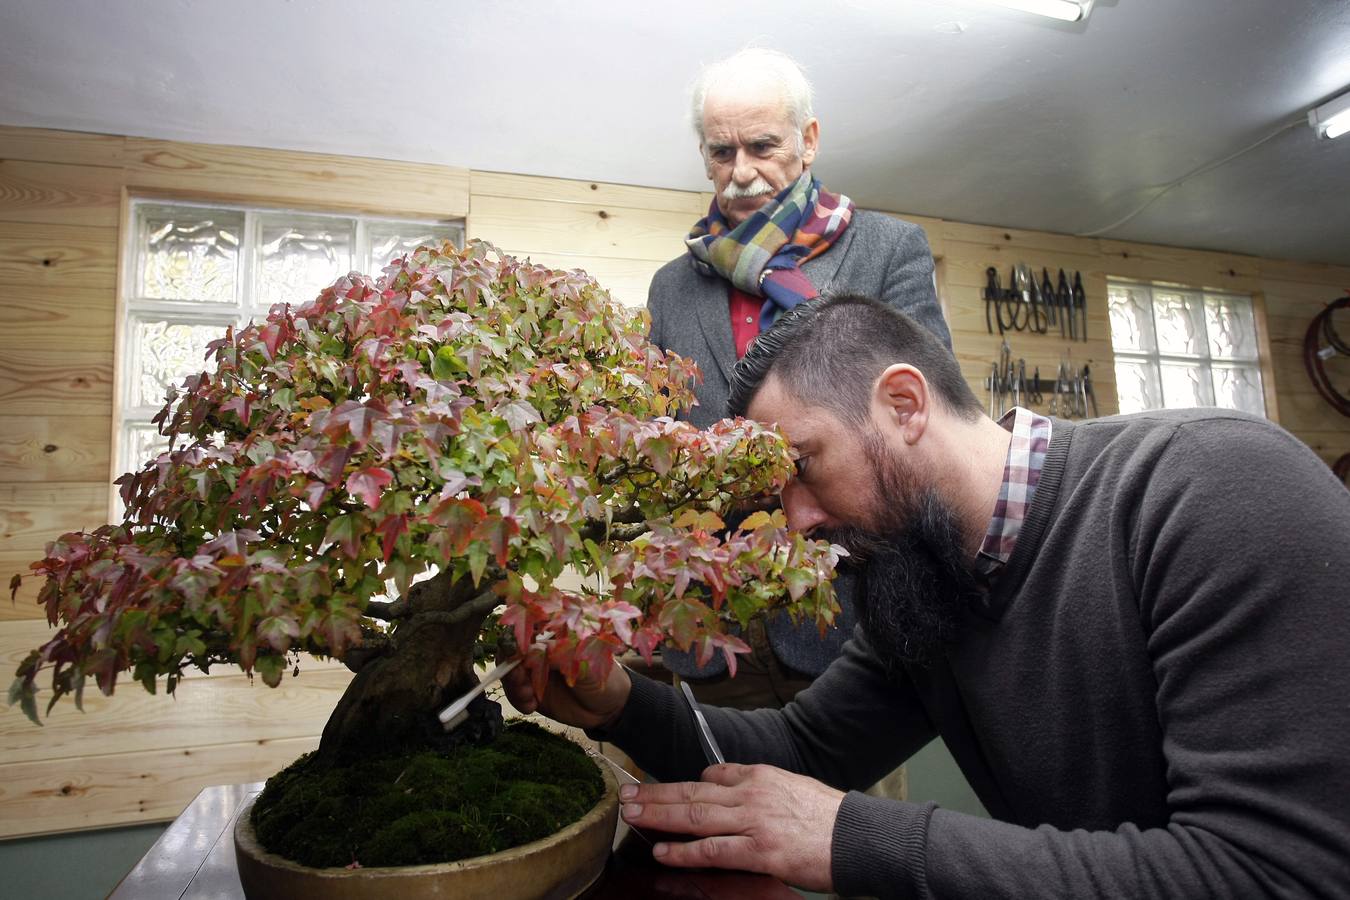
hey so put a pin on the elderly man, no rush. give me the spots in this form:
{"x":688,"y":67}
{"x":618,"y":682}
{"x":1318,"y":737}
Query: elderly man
{"x":773,"y":237}
{"x":1132,"y":633}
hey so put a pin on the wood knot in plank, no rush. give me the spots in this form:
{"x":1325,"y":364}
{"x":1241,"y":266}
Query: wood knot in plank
{"x":163,"y":159}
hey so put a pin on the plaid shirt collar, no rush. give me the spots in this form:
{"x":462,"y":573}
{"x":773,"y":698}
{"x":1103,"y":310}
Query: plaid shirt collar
{"x":1021,"y":473}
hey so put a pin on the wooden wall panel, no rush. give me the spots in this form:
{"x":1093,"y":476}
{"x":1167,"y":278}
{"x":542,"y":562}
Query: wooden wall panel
{"x":54,"y":449}
{"x":311,"y":180}
{"x":587,"y":193}
{"x":618,"y":234}
{"x":45,"y":382}
{"x":1193,"y":268}
{"x":534,"y":226}
{"x":199,"y":713}
{"x":1334,"y":278}
{"x":30,"y":514}
{"x":55,"y":319}
{"x":59,"y":194}
{"x":57,"y":256}
{"x":96,"y":790}
{"x":69,"y":147}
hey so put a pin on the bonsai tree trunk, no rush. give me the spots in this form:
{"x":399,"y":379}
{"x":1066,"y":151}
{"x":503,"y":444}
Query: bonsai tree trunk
{"x":392,"y":702}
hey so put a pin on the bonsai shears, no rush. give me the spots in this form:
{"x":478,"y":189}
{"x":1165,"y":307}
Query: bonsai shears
{"x":711,"y":751}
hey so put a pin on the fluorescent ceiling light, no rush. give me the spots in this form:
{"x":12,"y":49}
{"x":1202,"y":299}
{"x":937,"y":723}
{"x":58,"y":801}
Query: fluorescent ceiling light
{"x":1064,"y":10}
{"x":1331,"y":119}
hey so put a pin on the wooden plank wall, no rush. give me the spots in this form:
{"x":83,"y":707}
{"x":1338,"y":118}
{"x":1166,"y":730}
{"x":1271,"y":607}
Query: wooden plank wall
{"x":63,"y":196}
{"x":621,"y":235}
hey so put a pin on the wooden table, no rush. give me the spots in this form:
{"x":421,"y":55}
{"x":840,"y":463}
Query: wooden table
{"x":194,"y":860}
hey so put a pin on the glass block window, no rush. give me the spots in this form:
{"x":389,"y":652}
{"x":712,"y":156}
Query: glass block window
{"x":1176,"y":347}
{"x":194,"y":269}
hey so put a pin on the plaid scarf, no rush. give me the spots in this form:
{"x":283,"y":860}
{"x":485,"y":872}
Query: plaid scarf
{"x":762,"y":255}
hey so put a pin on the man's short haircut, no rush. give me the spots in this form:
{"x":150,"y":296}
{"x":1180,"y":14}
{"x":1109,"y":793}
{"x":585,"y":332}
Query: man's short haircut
{"x":829,"y":352}
{"x":757,"y":64}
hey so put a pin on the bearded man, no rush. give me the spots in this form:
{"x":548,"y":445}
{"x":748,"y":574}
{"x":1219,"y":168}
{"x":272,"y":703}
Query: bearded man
{"x":1131,"y":632}
{"x":773,"y":237}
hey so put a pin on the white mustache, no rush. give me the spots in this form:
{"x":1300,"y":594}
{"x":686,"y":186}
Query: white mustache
{"x":757,"y":188}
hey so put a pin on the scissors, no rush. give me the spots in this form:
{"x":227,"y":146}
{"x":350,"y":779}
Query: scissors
{"x":1038,"y":320}
{"x":1012,"y":300}
{"x":1064,"y":297}
{"x":711,"y":751}
{"x":1048,"y":298}
{"x":1034,"y":396}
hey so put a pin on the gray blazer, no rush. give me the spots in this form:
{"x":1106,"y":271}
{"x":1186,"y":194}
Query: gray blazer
{"x":878,"y":256}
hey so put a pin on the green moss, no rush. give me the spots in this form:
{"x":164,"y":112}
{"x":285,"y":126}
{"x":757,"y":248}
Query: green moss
{"x":428,"y":807}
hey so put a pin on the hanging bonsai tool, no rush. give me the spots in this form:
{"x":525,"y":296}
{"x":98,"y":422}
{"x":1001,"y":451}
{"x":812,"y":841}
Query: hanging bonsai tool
{"x":1031,"y":295}
{"x":1057,"y":395}
{"x":1006,"y":376}
{"x":992,"y":383}
{"x":1089,"y":392}
{"x":1035,"y":397}
{"x":1011,"y":301}
{"x":1064,"y":297}
{"x":1048,"y":298}
{"x":1073,"y":385}
{"x":1080,"y":304}
{"x":1315,"y":356}
{"x":993,"y":294}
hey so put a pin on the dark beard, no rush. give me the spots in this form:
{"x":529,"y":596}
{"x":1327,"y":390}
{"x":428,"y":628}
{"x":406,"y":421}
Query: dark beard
{"x":915,"y":582}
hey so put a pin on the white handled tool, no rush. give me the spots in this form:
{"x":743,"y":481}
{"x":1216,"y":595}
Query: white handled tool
{"x":458,"y":711}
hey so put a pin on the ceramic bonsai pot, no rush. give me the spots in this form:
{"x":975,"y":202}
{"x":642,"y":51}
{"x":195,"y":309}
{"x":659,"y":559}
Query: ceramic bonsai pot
{"x":561,"y":865}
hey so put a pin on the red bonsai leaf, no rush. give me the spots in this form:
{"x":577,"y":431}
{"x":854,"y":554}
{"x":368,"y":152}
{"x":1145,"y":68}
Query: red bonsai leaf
{"x":367,"y":484}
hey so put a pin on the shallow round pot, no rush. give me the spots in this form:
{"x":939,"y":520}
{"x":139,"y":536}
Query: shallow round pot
{"x":561,"y":865}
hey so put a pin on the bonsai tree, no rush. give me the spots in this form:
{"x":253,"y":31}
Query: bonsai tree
{"x":500,"y":427}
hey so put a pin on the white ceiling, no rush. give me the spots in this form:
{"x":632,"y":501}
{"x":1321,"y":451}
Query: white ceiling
{"x":936,"y":108}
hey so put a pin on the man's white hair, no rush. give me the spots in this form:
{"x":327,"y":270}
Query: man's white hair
{"x":757,"y":64}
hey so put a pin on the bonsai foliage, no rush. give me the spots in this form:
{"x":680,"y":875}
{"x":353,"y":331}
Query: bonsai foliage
{"x":503,"y":425}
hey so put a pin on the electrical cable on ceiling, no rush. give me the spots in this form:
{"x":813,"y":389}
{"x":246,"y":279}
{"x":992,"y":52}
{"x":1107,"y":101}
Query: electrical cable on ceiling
{"x":1207,"y":167}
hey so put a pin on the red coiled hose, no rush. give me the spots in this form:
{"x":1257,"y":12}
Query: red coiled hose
{"x":1314,"y":355}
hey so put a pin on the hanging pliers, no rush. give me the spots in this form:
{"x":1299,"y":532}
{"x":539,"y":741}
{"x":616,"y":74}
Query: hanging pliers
{"x":1089,"y":392}
{"x":1064,"y":298}
{"x":1080,"y":304}
{"x":1048,"y":297}
{"x":993,"y":293}
{"x":1037,"y":320}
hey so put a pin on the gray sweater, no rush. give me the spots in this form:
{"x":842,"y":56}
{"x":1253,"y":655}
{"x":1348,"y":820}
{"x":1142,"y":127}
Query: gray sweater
{"x":1153,"y":700}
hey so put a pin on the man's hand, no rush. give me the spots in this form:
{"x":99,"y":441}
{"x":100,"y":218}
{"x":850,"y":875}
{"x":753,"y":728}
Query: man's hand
{"x":754,"y":818}
{"x":590,"y":703}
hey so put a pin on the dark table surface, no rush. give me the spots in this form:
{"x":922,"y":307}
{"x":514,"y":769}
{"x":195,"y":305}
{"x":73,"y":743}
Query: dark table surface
{"x":194,"y":860}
